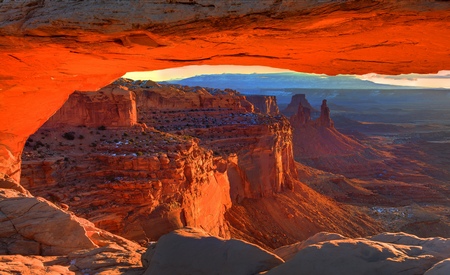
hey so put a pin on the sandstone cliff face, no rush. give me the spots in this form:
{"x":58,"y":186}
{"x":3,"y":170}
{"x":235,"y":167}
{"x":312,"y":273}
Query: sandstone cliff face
{"x":137,"y":183}
{"x":264,"y":104}
{"x":109,"y":107}
{"x":258,"y":147}
{"x":152,"y":96}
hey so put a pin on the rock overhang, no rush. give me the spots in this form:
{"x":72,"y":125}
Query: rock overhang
{"x":49,"y":50}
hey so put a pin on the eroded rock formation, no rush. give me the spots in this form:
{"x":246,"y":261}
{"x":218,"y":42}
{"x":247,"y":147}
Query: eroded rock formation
{"x":264,"y":104}
{"x":214,"y":155}
{"x":324,"y":119}
{"x":318,"y":144}
{"x":296,"y":101}
{"x":112,"y":106}
{"x":256,"y":147}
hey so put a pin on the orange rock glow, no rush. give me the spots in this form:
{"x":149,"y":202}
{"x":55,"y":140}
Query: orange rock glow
{"x":42,"y":65}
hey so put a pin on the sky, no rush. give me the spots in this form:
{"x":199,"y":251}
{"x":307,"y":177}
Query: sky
{"x":439,"y":80}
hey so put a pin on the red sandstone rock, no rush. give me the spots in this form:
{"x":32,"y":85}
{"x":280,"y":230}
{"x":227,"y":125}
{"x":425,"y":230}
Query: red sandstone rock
{"x":264,"y":104}
{"x":112,"y":106}
{"x":324,"y":119}
{"x":296,"y":101}
{"x":318,"y":144}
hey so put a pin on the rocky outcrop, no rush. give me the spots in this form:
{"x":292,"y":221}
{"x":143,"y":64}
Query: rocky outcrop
{"x":152,"y":96}
{"x":139,"y":183}
{"x":324,"y":119}
{"x":296,"y":101}
{"x":318,"y":144}
{"x":38,"y":237}
{"x":190,"y":250}
{"x":112,"y":106}
{"x":324,"y":253}
{"x":389,"y":253}
{"x":257,"y":147}
{"x":33,"y":226}
{"x":302,"y":117}
{"x":264,"y":104}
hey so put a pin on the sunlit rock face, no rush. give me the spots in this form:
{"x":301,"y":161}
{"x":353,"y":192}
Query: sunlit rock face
{"x":49,"y":49}
{"x":111,"y":107}
{"x":264,"y":104}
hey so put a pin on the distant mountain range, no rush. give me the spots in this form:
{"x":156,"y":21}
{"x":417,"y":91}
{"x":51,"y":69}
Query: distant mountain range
{"x":343,"y":89}
{"x":254,"y":83}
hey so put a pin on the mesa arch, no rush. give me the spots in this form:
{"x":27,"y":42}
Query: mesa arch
{"x":48,"y":50}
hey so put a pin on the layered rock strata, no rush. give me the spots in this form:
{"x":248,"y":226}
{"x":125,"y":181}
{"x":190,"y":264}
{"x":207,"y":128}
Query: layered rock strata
{"x":136,"y":182}
{"x":112,"y":106}
{"x":256,"y":147}
{"x":160,"y":181}
{"x":264,"y":104}
{"x":181,"y":165}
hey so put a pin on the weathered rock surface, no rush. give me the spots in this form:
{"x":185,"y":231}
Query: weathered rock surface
{"x":287,"y":252}
{"x":296,"y":101}
{"x":193,"y":251}
{"x":334,"y":254}
{"x":161,"y":181}
{"x":33,"y":226}
{"x":256,"y":147}
{"x":37,"y":237}
{"x":111,"y":106}
{"x":139,"y":183}
{"x":18,"y":264}
{"x":264,"y":104}
{"x":51,"y":49}
{"x":318,"y":144}
{"x":441,"y":268}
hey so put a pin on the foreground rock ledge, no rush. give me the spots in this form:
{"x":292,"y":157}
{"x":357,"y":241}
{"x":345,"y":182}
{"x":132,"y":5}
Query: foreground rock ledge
{"x":192,"y":251}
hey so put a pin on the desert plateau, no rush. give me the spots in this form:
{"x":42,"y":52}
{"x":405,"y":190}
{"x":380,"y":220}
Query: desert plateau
{"x":331,"y":157}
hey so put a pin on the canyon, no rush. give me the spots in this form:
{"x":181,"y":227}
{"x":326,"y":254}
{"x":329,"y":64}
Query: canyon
{"x":51,"y":49}
{"x":196,"y":157}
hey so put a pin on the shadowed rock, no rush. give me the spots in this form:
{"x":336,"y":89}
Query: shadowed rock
{"x":192,"y":251}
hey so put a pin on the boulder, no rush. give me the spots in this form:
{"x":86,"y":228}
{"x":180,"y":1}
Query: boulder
{"x":387,"y":253}
{"x":441,"y":268}
{"x":193,"y":251}
{"x":34,"y":226}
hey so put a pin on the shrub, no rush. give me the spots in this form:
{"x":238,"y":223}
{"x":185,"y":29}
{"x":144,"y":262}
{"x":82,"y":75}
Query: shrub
{"x":102,"y":128}
{"x":69,"y":135}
